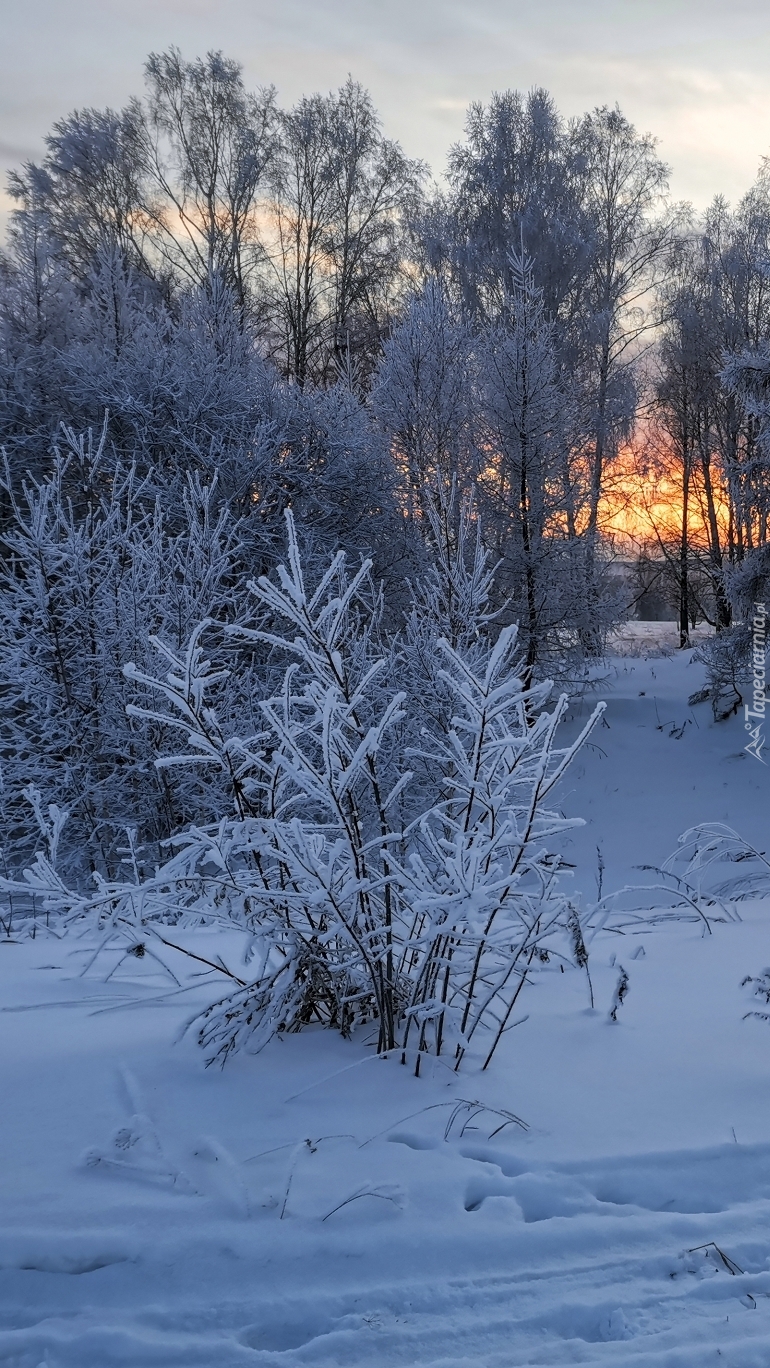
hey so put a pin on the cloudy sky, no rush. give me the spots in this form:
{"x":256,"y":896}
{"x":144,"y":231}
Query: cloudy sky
{"x":694,"y":72}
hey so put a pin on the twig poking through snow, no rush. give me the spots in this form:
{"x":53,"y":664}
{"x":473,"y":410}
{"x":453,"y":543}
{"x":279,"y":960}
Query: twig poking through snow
{"x":621,"y":990}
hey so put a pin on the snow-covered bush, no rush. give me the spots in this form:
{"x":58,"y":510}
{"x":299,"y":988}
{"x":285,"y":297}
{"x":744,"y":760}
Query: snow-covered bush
{"x":698,"y":882}
{"x":90,"y":567}
{"x":711,"y":852}
{"x":483,"y":879}
{"x":729,"y":656}
{"x":429,"y":927}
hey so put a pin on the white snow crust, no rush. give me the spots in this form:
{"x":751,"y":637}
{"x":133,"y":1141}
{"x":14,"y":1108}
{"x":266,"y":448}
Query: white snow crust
{"x":315,"y":1205}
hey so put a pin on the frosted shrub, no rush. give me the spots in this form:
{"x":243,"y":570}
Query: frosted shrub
{"x":428,"y":927}
{"x":90,"y":565}
{"x":482,"y":880}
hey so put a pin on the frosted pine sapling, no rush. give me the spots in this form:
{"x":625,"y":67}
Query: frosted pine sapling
{"x":431,"y":931}
{"x":483,"y":884}
{"x":310,"y":834}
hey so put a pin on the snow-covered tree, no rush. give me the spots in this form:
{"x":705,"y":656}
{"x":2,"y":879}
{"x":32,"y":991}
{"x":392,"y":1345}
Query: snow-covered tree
{"x":525,"y":482}
{"x":423,"y":396}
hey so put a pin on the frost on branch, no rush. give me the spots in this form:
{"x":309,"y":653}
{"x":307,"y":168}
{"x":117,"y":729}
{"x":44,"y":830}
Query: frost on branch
{"x":430,"y":926}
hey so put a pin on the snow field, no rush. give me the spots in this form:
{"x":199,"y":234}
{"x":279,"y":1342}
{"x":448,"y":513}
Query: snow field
{"x":314,"y":1205}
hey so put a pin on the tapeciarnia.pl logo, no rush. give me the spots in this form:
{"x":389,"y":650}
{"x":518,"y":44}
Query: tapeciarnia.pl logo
{"x":756,"y":713}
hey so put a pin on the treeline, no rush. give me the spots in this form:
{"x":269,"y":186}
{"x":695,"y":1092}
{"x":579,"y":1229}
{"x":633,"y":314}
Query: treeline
{"x":281,"y":297}
{"x":708,"y":408}
{"x":263,"y":309}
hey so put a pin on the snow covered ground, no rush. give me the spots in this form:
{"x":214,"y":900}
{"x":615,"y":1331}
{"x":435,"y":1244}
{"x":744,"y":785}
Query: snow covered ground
{"x":316,"y":1206}
{"x":655,"y":767}
{"x":636,"y":638}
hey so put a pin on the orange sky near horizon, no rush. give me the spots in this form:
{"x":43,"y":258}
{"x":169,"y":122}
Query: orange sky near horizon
{"x":640,"y":506}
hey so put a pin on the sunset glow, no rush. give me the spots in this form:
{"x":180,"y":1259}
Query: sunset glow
{"x":642,"y":503}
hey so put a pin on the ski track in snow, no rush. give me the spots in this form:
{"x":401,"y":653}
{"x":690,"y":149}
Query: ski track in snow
{"x":575,"y":1293}
{"x":293,"y":1210}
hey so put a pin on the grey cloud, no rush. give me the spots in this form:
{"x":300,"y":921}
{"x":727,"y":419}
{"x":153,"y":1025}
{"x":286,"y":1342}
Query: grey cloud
{"x":669,"y":63}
